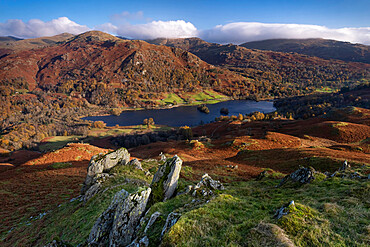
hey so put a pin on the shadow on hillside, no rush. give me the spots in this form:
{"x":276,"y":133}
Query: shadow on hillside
{"x":285,"y":160}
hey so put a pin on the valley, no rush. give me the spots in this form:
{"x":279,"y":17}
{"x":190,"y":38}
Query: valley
{"x":91,"y":125}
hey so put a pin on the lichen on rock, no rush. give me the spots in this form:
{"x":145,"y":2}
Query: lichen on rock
{"x":99,"y":235}
{"x":127,"y":217}
{"x":205,"y":187}
{"x":171,"y":220}
{"x":165,"y":180}
{"x":117,"y":225}
{"x":302,"y":175}
{"x":103,"y":163}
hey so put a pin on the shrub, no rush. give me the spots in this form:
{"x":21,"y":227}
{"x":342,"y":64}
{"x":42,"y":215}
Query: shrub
{"x":99,"y":124}
{"x":196,"y":144}
{"x":116,"y":111}
{"x":186,"y":131}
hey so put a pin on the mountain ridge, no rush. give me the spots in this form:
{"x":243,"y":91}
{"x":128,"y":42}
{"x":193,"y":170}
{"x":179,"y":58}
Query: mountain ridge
{"x":323,"y":48}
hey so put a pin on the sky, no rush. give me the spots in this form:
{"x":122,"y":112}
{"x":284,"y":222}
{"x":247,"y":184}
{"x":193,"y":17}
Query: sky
{"x":215,"y":21}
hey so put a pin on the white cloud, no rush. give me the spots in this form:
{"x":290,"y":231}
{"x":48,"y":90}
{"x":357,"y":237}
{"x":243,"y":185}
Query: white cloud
{"x":240,"y":32}
{"x":37,"y":28}
{"x":158,"y":29}
{"x":237,"y":32}
{"x":107,"y":27}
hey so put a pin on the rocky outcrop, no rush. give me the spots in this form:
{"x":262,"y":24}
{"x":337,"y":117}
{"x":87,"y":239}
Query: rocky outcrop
{"x":261,"y":175}
{"x":136,"y":164}
{"x":171,"y":220}
{"x":92,"y":191}
{"x":165,"y":180}
{"x":103,"y":163}
{"x":345,"y":166}
{"x":99,"y":235}
{"x":142,"y":239}
{"x":345,"y":171}
{"x":151,"y":221}
{"x":284,"y":210}
{"x":127,"y":217}
{"x":302,"y":175}
{"x":117,"y":225}
{"x":205,"y":187}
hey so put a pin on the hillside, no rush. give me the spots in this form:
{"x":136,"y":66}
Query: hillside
{"x":4,"y":39}
{"x":48,"y":89}
{"x":250,"y":159}
{"x":16,"y":44}
{"x":96,"y":57}
{"x":324,"y":48}
{"x":274,"y":73}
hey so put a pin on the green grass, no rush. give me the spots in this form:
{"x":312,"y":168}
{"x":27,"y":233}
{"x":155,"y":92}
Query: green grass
{"x":230,"y":217}
{"x":214,"y":94}
{"x":60,"y":165}
{"x":57,"y":142}
{"x":325,"y":90}
{"x":172,"y":97}
{"x":329,"y":212}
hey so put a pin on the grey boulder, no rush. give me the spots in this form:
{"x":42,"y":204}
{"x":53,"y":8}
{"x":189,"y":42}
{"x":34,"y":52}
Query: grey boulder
{"x":127,"y":217}
{"x":171,"y":220}
{"x":103,"y":163}
{"x":135,"y":163}
{"x":165,"y":180}
{"x":99,"y":235}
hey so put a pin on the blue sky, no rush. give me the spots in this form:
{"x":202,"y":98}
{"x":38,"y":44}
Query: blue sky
{"x":203,"y":15}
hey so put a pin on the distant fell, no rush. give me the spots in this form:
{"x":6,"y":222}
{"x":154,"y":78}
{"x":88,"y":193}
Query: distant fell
{"x":323,"y":48}
{"x":16,"y":44}
{"x":8,"y":38}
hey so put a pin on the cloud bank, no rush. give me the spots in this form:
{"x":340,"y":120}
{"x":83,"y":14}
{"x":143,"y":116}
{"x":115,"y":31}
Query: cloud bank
{"x":158,"y":29}
{"x":37,"y":28}
{"x":240,"y":32}
{"x":237,"y":32}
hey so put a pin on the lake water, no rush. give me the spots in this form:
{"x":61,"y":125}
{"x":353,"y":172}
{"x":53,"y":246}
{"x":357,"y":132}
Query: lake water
{"x":185,"y":115}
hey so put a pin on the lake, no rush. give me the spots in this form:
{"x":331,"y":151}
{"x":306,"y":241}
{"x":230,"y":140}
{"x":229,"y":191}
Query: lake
{"x":185,"y":115}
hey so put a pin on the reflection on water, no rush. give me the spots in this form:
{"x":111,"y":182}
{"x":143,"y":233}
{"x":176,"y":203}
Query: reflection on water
{"x":185,"y":115}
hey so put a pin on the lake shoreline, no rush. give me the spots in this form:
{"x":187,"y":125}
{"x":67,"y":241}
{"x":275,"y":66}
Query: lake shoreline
{"x":179,"y":115}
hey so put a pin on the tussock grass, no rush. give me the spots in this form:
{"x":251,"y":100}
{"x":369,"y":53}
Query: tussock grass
{"x":329,"y":212}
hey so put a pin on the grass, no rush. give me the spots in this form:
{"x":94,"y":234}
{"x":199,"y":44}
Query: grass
{"x":340,"y":124}
{"x":330,"y":212}
{"x":60,"y":165}
{"x":231,"y":216}
{"x":172,"y":97}
{"x":57,"y":142}
{"x":71,"y":221}
{"x":204,"y":97}
{"x":325,"y":90}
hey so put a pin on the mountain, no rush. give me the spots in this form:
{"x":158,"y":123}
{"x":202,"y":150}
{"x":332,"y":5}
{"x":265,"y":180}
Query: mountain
{"x":274,"y":73}
{"x":85,"y":61}
{"x":324,"y":48}
{"x":16,"y":44}
{"x":8,"y":39}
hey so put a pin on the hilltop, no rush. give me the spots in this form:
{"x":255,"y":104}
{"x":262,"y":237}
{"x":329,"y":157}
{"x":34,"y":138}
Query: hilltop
{"x":324,"y":48}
